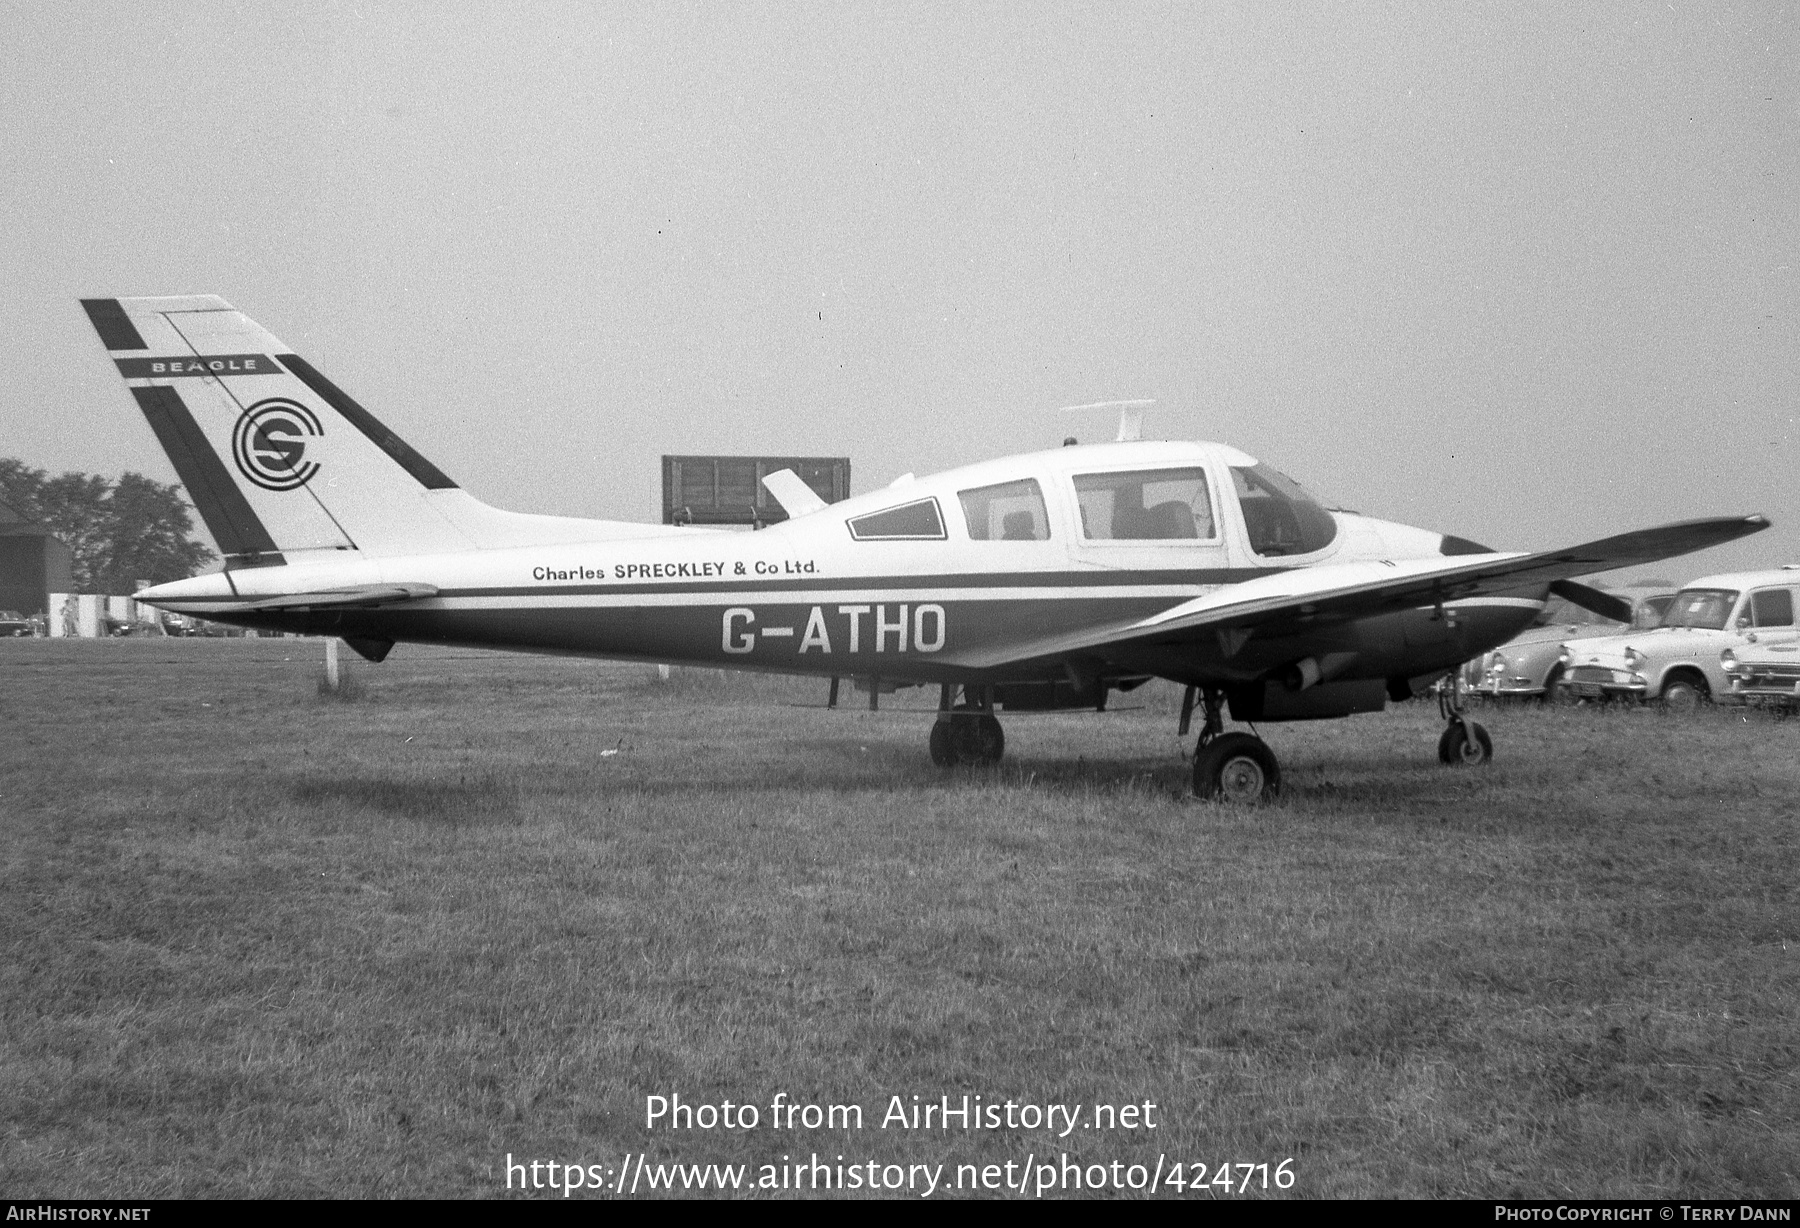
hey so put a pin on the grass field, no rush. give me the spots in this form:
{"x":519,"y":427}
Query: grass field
{"x":259,"y":941}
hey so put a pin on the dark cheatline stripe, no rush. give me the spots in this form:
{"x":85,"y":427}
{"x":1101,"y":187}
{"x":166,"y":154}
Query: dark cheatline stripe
{"x":423,"y":471}
{"x":116,"y":330}
{"x":220,"y":503}
{"x":1025,"y":579}
{"x":953,"y":580}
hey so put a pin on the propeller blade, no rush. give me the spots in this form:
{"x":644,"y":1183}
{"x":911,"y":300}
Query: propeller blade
{"x":1604,"y":604}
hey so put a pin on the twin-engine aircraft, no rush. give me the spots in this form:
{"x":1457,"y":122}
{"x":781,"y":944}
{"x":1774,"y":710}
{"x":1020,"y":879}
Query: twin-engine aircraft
{"x":1036,"y":582}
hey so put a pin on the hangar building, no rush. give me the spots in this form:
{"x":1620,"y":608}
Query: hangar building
{"x":728,"y":490}
{"x":33,"y":564}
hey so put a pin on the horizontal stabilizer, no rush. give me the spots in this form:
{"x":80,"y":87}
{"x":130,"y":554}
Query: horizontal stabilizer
{"x":795,"y":496}
{"x":356,"y":597}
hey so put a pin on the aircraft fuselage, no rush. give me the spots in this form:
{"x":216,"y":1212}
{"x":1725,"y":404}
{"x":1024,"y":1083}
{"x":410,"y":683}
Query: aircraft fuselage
{"x":1035,"y":581}
{"x":808,"y":596}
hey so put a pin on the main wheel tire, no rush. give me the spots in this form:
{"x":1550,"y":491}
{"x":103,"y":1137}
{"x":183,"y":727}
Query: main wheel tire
{"x":971,"y":738}
{"x":1458,"y":749}
{"x":1685,"y":693}
{"x":943,"y":753}
{"x":977,"y":739}
{"x":1238,"y":768}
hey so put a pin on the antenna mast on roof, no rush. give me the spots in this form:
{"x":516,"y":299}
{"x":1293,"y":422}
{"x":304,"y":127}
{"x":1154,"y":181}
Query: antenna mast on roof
{"x":1131,"y":416}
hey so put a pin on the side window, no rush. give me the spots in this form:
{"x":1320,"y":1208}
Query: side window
{"x":1145,"y":505}
{"x":1650,"y":614}
{"x":1773,"y":607}
{"x":1011,"y":511}
{"x":916,"y":521}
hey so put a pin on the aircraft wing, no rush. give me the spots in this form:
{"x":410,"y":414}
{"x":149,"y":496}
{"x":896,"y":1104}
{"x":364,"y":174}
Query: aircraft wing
{"x":1310,"y":597}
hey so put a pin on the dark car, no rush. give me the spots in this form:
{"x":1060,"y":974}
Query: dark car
{"x":15,"y":624}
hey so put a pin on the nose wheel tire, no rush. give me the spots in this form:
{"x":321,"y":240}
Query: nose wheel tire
{"x":967,"y":738}
{"x":1236,"y":768}
{"x":1465,"y":743}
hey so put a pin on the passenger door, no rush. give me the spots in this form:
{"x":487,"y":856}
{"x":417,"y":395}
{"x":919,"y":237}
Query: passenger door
{"x":1162,"y":522}
{"x":1768,"y":615}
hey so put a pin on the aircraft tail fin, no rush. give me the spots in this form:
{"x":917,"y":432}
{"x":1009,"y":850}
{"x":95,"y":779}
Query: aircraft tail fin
{"x":280,"y":462}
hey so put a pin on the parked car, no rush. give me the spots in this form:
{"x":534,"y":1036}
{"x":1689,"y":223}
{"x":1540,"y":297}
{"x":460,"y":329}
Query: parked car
{"x":1530,"y":664}
{"x":15,"y":625}
{"x":212,"y":630}
{"x":1763,"y":673}
{"x":1679,"y":662}
{"x":179,"y":624}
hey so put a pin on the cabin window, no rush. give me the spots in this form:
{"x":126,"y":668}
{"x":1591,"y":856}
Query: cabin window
{"x":1011,"y":511}
{"x":1280,"y":517}
{"x":1145,"y":505}
{"x":916,"y":521}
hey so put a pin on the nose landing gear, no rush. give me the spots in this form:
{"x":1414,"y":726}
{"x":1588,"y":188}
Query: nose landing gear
{"x":1463,"y":742}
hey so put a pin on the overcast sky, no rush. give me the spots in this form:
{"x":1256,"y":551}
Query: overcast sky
{"x":1521,"y":272}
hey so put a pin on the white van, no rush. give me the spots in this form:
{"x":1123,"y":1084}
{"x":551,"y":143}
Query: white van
{"x":1679,"y":661}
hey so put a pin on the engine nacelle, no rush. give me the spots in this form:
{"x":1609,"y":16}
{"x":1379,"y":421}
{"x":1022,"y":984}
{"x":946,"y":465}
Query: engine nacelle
{"x":1273,"y":701}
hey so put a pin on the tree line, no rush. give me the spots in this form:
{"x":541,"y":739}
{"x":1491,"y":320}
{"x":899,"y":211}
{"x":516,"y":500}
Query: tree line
{"x":120,"y":531}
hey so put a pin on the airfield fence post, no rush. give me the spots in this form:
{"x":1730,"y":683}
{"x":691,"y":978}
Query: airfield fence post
{"x":331,"y":663}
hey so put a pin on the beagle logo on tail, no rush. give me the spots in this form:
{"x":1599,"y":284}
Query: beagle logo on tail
{"x":269,"y":444}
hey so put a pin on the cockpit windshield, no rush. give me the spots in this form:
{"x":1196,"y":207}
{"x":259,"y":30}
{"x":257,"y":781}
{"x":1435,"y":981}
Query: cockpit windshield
{"x":1280,"y":516}
{"x":1704,"y":608}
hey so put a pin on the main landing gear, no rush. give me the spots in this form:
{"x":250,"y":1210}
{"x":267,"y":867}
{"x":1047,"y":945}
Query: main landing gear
{"x":1229,"y":767}
{"x":969,"y":733}
{"x":1463,"y":741}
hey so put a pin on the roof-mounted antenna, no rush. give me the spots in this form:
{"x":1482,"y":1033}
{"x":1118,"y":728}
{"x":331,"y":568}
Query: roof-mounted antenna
{"x":1131,"y":416}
